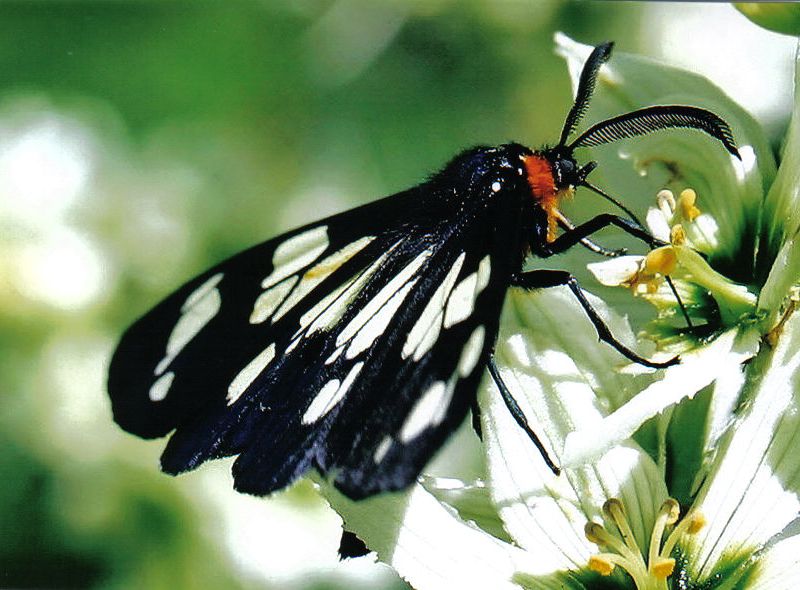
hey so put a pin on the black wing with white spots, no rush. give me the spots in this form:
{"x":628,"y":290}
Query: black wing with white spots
{"x":353,"y":345}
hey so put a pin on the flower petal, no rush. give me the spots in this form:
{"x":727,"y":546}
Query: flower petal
{"x":471,"y":500}
{"x":697,"y":369}
{"x":561,"y":377}
{"x":751,"y":494}
{"x":729,"y":190}
{"x":428,"y":544}
{"x":781,"y":228}
{"x":617,"y":271}
{"x":778,"y":566}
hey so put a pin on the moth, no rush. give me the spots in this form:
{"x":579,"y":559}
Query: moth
{"x":355,"y":345}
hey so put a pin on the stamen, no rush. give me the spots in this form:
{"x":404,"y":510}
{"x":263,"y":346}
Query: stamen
{"x":602,"y":563}
{"x":686,"y":204}
{"x":660,"y":261}
{"x":667,"y":515}
{"x":598,"y":535}
{"x":690,"y":525}
{"x":677,"y":235}
{"x":663,"y":567}
{"x":615,"y":510}
{"x":666,"y":203}
{"x":627,"y":554}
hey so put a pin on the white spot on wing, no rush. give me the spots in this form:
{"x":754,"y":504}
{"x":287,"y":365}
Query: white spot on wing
{"x":425,"y":331}
{"x":335,"y":355}
{"x":484,"y":272}
{"x":330,"y":309}
{"x":429,"y":411}
{"x":381,"y":298}
{"x":382,"y":448}
{"x":160,"y":389}
{"x":296,"y":253}
{"x":292,"y":345}
{"x":270,"y":299}
{"x":471,"y":352}
{"x":330,"y":395}
{"x":201,"y":291}
{"x":319,"y":272}
{"x":321,"y":403}
{"x":199,"y":308}
{"x":247,"y":375}
{"x":462,"y":301}
{"x":377,"y":324}
{"x":496,"y":186}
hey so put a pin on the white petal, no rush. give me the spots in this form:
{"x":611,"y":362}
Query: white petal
{"x":781,"y":213}
{"x":428,"y":544}
{"x":617,"y":271}
{"x":550,"y":359}
{"x":779,"y":566}
{"x":731,"y":193}
{"x":658,"y":224}
{"x":752,"y":492}
{"x":696,"y":370}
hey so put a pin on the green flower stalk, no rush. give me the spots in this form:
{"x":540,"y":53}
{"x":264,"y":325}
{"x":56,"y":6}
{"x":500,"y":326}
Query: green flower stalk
{"x":687,"y":477}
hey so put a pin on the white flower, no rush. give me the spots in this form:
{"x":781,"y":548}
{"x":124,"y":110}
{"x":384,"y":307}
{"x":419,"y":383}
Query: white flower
{"x":683,"y":478}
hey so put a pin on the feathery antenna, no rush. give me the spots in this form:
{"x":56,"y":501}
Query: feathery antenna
{"x":586,"y":85}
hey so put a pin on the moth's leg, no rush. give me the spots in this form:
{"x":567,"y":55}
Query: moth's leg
{"x":684,"y":311}
{"x":628,"y":225}
{"x":519,"y":416}
{"x":475,"y":411}
{"x":578,"y":233}
{"x":542,"y":279}
{"x":566,"y":224}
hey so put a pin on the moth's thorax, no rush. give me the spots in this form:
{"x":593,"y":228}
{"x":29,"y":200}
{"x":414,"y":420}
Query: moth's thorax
{"x":546,"y":190}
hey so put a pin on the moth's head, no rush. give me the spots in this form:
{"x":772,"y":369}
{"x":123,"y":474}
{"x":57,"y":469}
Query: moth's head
{"x":554,"y":173}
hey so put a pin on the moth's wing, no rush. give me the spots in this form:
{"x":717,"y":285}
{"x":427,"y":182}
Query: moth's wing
{"x":396,"y":387}
{"x":357,"y":358}
{"x":181,"y":359}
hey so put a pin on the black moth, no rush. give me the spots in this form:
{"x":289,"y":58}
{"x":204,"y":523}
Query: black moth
{"x":355,"y":345}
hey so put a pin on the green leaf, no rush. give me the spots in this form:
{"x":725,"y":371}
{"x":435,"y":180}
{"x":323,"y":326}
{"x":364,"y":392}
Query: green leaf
{"x":781,"y":17}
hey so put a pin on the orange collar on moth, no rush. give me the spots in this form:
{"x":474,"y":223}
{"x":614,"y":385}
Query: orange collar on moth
{"x":543,"y":188}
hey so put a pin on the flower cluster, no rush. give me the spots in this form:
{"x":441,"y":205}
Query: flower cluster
{"x":687,"y":477}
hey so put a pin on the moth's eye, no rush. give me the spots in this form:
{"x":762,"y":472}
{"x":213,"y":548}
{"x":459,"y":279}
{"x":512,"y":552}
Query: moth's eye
{"x":566,"y":172}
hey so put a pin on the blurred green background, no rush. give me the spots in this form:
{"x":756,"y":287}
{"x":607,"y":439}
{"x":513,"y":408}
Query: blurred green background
{"x":142,"y":141}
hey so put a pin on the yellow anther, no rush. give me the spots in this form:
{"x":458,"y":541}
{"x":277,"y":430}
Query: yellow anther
{"x":599,"y":564}
{"x":692,"y":523}
{"x":677,"y":235}
{"x":648,"y":570}
{"x":614,"y":510}
{"x":672,"y":509}
{"x":595,"y":533}
{"x":686,"y":204}
{"x":663,"y":567}
{"x":696,"y":522}
{"x":660,"y":261}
